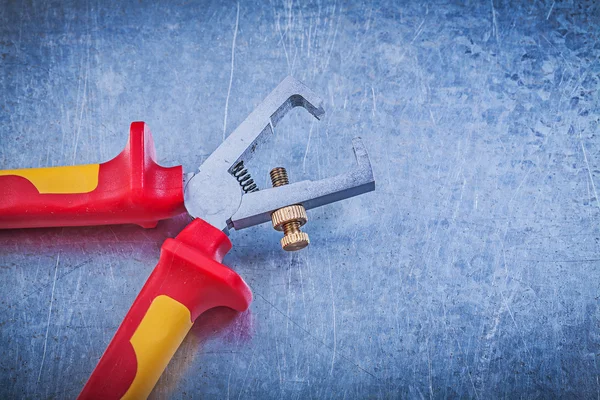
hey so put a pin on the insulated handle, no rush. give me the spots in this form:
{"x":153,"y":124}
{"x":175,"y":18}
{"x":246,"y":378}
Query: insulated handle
{"x":188,"y":280}
{"x":130,"y":188}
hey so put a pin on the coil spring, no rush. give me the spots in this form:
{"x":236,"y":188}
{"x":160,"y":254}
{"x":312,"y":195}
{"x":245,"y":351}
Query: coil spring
{"x":244,"y":178}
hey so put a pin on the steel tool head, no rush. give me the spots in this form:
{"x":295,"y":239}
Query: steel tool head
{"x":215,"y":195}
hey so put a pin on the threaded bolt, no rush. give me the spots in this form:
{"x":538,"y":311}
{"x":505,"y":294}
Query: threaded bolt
{"x":289,"y":219}
{"x":279,"y":177}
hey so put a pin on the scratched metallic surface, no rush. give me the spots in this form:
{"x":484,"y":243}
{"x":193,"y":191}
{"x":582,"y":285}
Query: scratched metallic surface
{"x":472,"y":271}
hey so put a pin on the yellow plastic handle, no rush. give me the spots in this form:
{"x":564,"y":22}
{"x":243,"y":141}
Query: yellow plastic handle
{"x":155,"y":341}
{"x":60,"y":180}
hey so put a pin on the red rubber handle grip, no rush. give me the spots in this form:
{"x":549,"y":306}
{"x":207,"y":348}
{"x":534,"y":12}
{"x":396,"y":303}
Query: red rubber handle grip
{"x":131,"y":188}
{"x":188,"y":280}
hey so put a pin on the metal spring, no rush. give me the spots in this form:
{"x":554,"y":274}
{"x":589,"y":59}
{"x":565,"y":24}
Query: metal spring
{"x":244,"y":178}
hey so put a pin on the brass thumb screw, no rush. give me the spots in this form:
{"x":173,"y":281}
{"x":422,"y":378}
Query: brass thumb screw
{"x":289,"y":219}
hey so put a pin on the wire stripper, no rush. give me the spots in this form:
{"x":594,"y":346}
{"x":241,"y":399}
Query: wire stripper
{"x":189,"y":277}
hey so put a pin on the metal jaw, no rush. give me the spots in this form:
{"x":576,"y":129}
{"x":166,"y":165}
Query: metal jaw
{"x":214,"y":195}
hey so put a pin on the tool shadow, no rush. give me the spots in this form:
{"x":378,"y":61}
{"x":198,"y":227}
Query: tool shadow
{"x":230,"y":328}
{"x":87,"y":239}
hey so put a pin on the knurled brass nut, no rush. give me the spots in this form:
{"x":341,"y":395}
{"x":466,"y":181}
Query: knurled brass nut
{"x":295,"y":213}
{"x":295,"y":241}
